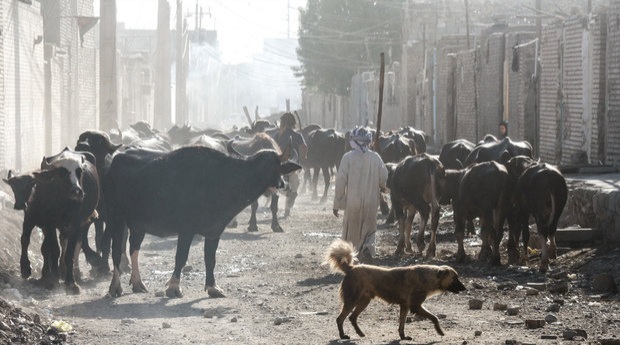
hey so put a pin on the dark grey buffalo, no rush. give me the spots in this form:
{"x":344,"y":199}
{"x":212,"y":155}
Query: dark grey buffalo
{"x":187,"y":192}
{"x":540,"y":191}
{"x":414,"y":188}
{"x":325,"y":150}
{"x":480,"y":190}
{"x":64,"y":197}
{"x":499,"y":151}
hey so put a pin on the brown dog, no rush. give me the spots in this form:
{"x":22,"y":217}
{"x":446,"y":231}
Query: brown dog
{"x":408,"y":287}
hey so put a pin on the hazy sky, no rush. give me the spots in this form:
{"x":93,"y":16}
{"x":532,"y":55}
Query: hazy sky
{"x":241,"y":24}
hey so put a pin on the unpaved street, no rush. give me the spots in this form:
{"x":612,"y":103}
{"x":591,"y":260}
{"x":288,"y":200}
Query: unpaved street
{"x":277,"y":292}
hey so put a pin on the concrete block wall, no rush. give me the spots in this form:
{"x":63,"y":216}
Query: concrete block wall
{"x":521,"y":108}
{"x":21,"y":115}
{"x":415,"y":63}
{"x":490,"y":84}
{"x":611,"y":144}
{"x":447,"y":47}
{"x":466,"y":107}
{"x":87,"y":74}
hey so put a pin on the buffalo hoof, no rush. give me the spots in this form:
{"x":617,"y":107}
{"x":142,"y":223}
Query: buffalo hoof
{"x":402,"y":337}
{"x":115,"y":292}
{"x":485,"y":253}
{"x":139,"y":287}
{"x":215,"y":291}
{"x":400,"y":248}
{"x":72,"y":289}
{"x":26,"y":271}
{"x":409,"y":250}
{"x":115,"y":289}
{"x":496,"y":261}
{"x":344,"y":336}
{"x":277,"y":228}
{"x":174,"y":292}
{"x":513,"y":257}
{"x":47,"y":282}
{"x":430,"y":252}
{"x":252,"y":228}
{"x":421,"y":246}
{"x":544,"y":267}
{"x":100,"y":271}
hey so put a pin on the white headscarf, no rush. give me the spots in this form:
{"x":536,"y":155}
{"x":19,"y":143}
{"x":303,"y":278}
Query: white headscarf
{"x":360,"y":139}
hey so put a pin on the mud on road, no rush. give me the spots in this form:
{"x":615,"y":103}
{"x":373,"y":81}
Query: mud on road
{"x":278,"y":292}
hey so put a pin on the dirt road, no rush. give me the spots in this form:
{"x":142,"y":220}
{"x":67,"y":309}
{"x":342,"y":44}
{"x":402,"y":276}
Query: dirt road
{"x":277,"y":292}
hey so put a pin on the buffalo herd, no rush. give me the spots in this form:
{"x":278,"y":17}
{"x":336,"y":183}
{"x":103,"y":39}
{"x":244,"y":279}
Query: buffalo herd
{"x":189,"y":182}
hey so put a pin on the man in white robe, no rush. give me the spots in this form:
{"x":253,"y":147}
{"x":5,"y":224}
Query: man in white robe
{"x":360,"y":176}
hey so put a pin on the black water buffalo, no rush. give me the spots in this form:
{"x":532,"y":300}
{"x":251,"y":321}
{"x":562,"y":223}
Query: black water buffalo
{"x":414,"y":187}
{"x":247,"y":148}
{"x":325,"y":150}
{"x":141,"y":135}
{"x":499,"y":151}
{"x":540,"y":191}
{"x":481,"y":190}
{"x":98,"y":143}
{"x":189,"y":191}
{"x":419,"y":138}
{"x":395,"y":147}
{"x":64,"y":197}
{"x":305,"y":133}
{"x":454,"y":154}
{"x":22,"y":186}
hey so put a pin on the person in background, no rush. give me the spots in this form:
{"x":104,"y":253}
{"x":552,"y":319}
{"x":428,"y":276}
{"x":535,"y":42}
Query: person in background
{"x":299,"y":151}
{"x":503,"y":129}
{"x":360,"y":176}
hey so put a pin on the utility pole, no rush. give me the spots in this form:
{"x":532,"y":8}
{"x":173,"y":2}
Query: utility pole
{"x":467,"y":23}
{"x":537,"y":106}
{"x":180,"y":72}
{"x":108,"y":97}
{"x":162,"y":107}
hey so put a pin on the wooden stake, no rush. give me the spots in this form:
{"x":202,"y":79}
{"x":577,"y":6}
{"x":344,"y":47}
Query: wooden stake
{"x":247,"y":115}
{"x":380,"y":111}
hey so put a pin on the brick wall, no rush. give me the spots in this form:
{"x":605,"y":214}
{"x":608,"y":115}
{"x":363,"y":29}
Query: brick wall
{"x":550,"y":102}
{"x":466,"y":111}
{"x":572,"y":90}
{"x":2,"y":89}
{"x":22,"y":125}
{"x":75,"y":82}
{"x":612,"y":122}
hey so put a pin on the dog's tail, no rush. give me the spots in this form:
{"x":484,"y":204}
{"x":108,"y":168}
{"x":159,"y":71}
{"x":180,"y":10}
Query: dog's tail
{"x":340,"y":255}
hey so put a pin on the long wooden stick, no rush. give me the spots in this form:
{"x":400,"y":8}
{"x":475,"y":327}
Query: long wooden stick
{"x":380,"y":111}
{"x":247,"y":115}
